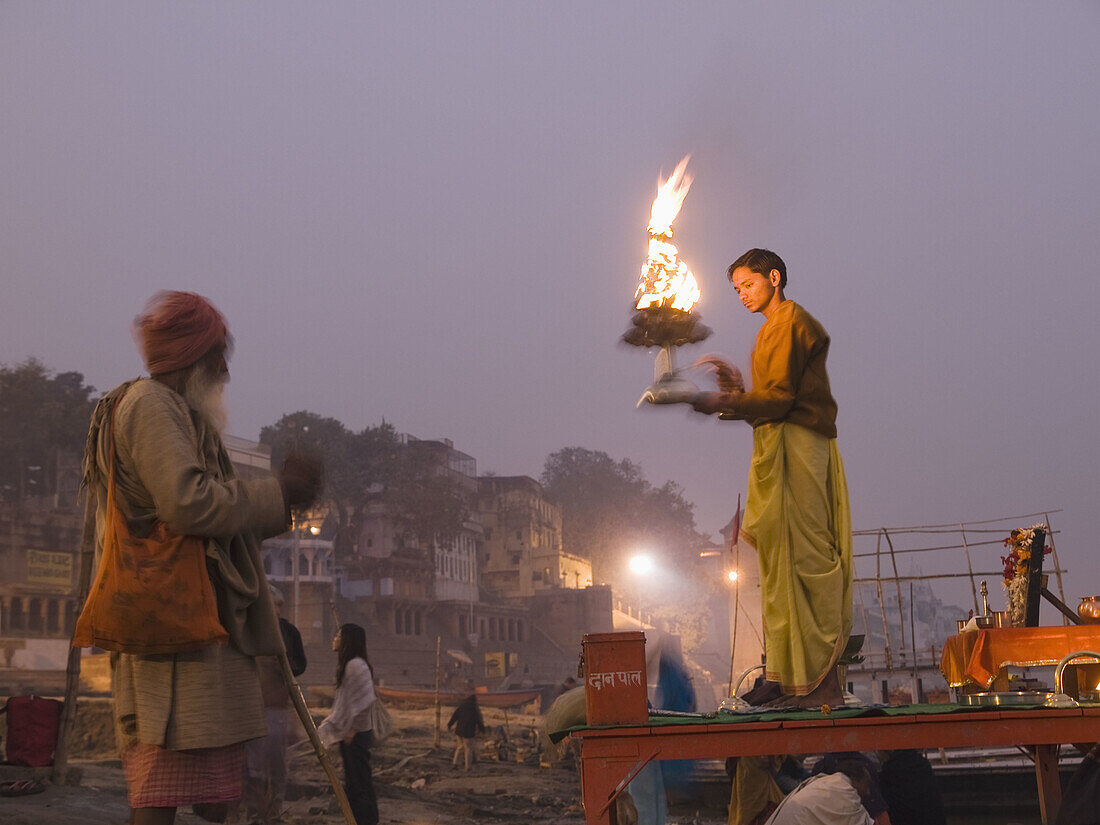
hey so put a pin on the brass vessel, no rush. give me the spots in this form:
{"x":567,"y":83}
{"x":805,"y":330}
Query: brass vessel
{"x":1089,"y":609}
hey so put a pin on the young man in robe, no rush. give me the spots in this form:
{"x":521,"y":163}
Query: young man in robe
{"x":796,"y":514}
{"x":182,"y":719}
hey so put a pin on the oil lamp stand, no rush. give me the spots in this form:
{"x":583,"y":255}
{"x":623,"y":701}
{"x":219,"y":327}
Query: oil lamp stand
{"x":668,"y":387}
{"x":666,"y":328}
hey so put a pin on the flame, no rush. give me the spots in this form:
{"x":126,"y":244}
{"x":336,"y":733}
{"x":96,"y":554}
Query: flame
{"x":670,"y":197}
{"x":666,"y":281}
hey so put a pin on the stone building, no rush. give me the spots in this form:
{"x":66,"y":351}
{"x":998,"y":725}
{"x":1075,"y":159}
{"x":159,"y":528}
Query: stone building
{"x":39,"y":561}
{"x":522,"y":553}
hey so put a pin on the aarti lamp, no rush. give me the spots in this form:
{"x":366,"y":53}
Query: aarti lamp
{"x":666,"y":296}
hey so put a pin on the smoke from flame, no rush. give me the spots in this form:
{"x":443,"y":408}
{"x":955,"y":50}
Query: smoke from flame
{"x":666,"y":281}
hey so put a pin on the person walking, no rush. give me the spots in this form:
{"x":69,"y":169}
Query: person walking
{"x":349,"y":723}
{"x":466,"y":721}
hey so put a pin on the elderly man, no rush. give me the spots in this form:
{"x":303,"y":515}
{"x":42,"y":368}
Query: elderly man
{"x":182,"y":719}
{"x":797,"y":510}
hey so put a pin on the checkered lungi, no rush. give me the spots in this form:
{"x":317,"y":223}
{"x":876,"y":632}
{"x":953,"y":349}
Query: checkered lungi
{"x":161,"y":778}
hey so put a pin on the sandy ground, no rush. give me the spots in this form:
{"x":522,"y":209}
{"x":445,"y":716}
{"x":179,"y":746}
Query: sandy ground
{"x":415,"y":783}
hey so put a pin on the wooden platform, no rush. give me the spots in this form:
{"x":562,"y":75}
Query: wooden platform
{"x":611,"y":756}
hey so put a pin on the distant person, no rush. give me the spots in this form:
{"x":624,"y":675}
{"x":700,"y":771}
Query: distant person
{"x":797,"y":514}
{"x":466,"y":722}
{"x":159,"y":475}
{"x":349,"y":723}
{"x":265,"y":762}
{"x":910,"y":790}
{"x":828,"y":799}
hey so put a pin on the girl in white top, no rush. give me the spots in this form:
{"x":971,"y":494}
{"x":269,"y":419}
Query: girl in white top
{"x":349,"y":723}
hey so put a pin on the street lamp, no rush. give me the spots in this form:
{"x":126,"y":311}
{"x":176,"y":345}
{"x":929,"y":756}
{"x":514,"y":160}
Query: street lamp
{"x":641,"y":564}
{"x":732,"y":575}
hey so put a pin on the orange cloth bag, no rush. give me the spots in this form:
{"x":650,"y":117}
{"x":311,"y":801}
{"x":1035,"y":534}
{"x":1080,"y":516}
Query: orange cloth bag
{"x":150,"y":595}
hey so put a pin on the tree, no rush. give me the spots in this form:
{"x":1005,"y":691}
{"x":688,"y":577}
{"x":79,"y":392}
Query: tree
{"x":43,"y":417}
{"x":610,"y":512}
{"x":424,"y":501}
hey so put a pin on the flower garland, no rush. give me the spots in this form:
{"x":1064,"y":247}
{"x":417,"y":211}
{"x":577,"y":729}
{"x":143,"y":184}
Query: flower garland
{"x":1016,"y":571}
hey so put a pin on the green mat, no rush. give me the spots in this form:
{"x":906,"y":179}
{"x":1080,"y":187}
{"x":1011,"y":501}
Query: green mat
{"x":720,"y":718}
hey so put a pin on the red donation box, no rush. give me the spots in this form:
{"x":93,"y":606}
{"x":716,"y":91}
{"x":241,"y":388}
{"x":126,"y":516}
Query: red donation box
{"x":615,"y":678}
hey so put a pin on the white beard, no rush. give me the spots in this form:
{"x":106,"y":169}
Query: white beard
{"x":207,"y":398}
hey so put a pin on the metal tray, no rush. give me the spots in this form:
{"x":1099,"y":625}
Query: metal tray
{"x":1006,"y":699}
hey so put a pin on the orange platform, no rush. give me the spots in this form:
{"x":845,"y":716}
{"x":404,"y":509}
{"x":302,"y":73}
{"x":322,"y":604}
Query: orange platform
{"x":610,"y":757}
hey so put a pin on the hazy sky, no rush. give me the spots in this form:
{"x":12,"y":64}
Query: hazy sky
{"x":435,"y":213}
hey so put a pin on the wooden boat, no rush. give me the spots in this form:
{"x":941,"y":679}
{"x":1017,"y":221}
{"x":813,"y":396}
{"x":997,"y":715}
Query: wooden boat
{"x":425,"y":697}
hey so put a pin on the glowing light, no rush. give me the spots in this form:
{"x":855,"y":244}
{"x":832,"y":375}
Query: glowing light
{"x":666,"y":281}
{"x":732,"y":575}
{"x":315,"y":530}
{"x":641,"y":565}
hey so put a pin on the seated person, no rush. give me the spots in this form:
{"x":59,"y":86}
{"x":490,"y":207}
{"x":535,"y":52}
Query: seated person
{"x":828,"y":799}
{"x":910,"y":790}
{"x":872,"y":801}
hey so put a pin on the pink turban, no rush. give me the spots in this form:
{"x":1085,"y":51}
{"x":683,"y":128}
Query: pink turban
{"x":177,"y":329}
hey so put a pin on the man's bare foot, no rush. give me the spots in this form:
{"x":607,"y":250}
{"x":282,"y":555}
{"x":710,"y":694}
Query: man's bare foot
{"x":827,"y":693}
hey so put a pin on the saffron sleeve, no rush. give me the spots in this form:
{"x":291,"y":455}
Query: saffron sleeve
{"x":777,"y":366}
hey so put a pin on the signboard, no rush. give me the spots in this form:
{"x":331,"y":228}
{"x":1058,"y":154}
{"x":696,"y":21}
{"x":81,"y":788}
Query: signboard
{"x":54,"y":569}
{"x":494,"y":665}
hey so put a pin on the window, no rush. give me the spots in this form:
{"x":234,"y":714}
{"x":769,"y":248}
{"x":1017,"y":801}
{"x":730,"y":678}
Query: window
{"x":303,"y":566}
{"x":397,"y":625}
{"x":519,"y":630}
{"x":53,"y":617}
{"x":34,"y":615}
{"x":416,"y":623}
{"x":18,"y":617}
{"x":511,"y":630}
{"x":408,"y":623}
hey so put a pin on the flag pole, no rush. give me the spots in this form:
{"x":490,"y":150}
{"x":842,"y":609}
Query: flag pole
{"x":735,"y":552}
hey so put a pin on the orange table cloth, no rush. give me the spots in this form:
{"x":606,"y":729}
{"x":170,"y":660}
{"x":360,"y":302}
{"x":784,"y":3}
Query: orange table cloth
{"x":975,"y":657}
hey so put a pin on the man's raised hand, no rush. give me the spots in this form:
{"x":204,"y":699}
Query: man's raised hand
{"x":727,"y":375}
{"x":302,"y":477}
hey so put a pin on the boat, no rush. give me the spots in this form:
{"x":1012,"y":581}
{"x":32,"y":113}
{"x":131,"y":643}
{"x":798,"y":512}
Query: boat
{"x":426,"y":696}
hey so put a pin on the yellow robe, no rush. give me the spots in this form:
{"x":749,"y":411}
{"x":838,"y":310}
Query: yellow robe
{"x":797,"y":513}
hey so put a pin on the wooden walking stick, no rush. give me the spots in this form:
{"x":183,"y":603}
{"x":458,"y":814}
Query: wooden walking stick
{"x":435,"y":744}
{"x":72,"y":670}
{"x":299,"y":702}
{"x":311,"y":731}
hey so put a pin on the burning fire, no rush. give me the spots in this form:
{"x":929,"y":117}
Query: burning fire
{"x":666,"y":281}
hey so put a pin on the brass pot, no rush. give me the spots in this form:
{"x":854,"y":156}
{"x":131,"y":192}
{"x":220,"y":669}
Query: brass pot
{"x":1089,"y":609}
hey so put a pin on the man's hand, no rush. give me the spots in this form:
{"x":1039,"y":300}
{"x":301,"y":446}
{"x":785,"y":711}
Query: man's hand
{"x":727,"y":375}
{"x":709,"y":403}
{"x":302,"y":477}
